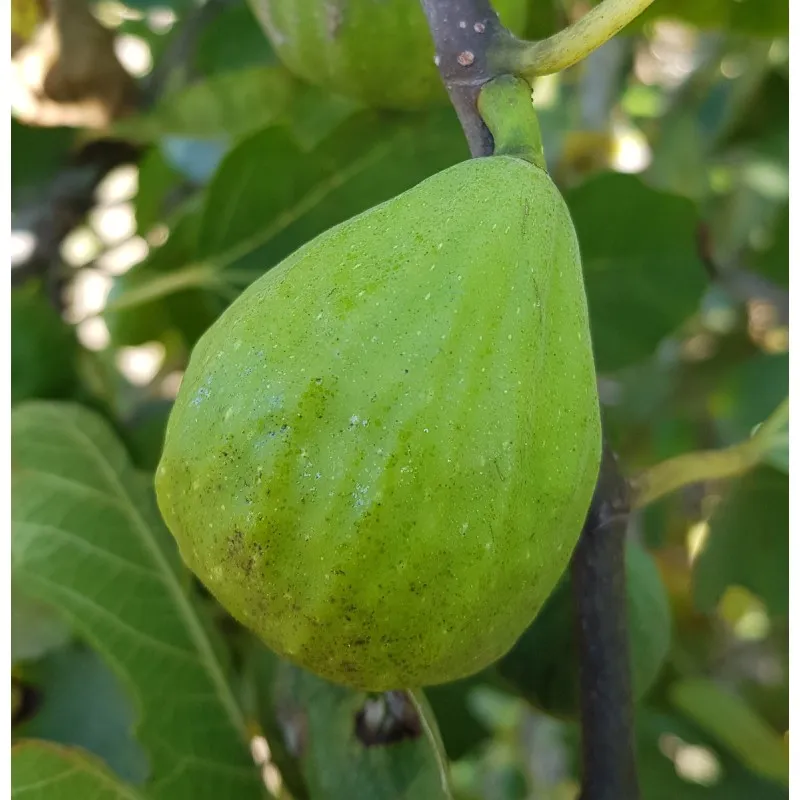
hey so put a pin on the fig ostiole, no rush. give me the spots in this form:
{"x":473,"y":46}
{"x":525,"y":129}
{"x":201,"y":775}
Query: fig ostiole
{"x":382,"y":452}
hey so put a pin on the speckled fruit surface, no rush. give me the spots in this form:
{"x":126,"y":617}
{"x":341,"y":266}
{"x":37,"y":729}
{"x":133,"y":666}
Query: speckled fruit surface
{"x":377,"y":51}
{"x":383,"y":451}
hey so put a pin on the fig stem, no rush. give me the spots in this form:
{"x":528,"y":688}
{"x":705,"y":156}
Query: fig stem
{"x":710,"y":465}
{"x":506,"y":105}
{"x":568,"y":46}
{"x":601,"y":623}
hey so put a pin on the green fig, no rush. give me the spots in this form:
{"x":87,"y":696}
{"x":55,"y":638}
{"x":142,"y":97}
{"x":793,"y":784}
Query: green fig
{"x":379,"y":52}
{"x":383,"y":451}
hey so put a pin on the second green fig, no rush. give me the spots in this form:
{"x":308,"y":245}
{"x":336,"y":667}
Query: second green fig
{"x":379,"y":52}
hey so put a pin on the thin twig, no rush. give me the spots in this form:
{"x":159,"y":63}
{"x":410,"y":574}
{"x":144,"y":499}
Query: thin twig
{"x":574,"y":43}
{"x":709,"y":465}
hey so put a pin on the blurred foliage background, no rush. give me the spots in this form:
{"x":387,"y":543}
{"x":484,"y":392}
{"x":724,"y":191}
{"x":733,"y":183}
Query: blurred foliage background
{"x":162,"y":159}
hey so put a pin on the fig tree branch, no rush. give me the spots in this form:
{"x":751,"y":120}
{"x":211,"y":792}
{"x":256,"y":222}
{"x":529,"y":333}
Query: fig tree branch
{"x":601,"y":621}
{"x":462,"y":32}
{"x":569,"y":46}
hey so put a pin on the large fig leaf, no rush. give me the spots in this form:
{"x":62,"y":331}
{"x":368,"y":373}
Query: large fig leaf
{"x":233,"y":41}
{"x":230,"y":104}
{"x":36,"y":628}
{"x":749,"y":543}
{"x":642,"y":271}
{"x":45,"y":771}
{"x":270,"y":196}
{"x":347,"y":744}
{"x":81,"y":703}
{"x":87,"y":539}
{"x":367,"y":160}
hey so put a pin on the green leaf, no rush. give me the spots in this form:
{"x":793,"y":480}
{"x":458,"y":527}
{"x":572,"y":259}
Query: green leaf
{"x":773,"y":260}
{"x":38,"y":153}
{"x":44,"y":349}
{"x":253,"y":223}
{"x":36,"y":628}
{"x":749,"y":392}
{"x":249,"y":224}
{"x":748,"y":544}
{"x":144,"y":433}
{"x":680,"y":147}
{"x":350,"y":744}
{"x":677,"y":761}
{"x":136,"y":311}
{"x":732,"y":723}
{"x":47,"y":771}
{"x":542,"y":665}
{"x":778,"y":454}
{"x":460,"y":729}
{"x":82,"y":703}
{"x":87,"y":539}
{"x":228,"y":105}
{"x":157,"y":178}
{"x":752,"y":17}
{"x":765,"y":115}
{"x":545,"y":17}
{"x":233,"y":41}
{"x":642,"y":272}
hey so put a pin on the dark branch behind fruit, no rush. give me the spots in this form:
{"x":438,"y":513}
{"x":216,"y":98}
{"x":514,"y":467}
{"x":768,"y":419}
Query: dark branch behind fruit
{"x":462,"y":32}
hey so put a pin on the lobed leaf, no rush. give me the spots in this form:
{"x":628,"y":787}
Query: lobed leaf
{"x":88,"y":540}
{"x":52,"y":772}
{"x":349,"y":744}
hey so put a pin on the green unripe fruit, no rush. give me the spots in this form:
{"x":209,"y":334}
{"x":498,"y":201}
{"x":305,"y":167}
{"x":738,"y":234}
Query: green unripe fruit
{"x":383,"y":451}
{"x":43,"y":348}
{"x":377,"y":51}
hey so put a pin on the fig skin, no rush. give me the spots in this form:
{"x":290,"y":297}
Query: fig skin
{"x":379,"y":52}
{"x":382,"y":453}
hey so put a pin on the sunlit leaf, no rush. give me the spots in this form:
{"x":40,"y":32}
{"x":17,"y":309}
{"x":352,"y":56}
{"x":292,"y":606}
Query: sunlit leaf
{"x":87,"y":539}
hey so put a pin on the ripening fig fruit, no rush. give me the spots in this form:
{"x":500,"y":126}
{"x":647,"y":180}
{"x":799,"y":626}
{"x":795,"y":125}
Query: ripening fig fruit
{"x":379,"y":52}
{"x":383,"y":451}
